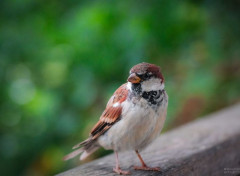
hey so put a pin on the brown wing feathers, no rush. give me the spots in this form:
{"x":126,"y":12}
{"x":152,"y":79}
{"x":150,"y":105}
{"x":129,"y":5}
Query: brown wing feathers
{"x":110,"y":116}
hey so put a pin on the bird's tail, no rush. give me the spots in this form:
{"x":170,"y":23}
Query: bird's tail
{"x":87,"y":147}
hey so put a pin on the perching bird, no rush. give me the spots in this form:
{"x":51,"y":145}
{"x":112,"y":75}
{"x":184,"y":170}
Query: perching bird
{"x":133,"y":118}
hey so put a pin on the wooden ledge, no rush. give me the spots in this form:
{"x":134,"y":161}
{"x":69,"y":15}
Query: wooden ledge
{"x":208,"y":146}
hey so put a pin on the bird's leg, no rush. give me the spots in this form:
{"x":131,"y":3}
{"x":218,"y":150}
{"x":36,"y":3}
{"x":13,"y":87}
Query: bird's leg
{"x":144,"y":166}
{"x":117,"y":169}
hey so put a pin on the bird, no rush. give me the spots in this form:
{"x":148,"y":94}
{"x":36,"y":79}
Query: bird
{"x":133,"y":118}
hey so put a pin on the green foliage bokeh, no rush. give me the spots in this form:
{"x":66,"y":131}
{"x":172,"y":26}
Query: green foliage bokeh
{"x":60,"y":61}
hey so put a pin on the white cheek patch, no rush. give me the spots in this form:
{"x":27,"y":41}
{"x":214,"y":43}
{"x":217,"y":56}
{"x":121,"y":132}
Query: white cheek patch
{"x":116,"y":105}
{"x":152,"y":85}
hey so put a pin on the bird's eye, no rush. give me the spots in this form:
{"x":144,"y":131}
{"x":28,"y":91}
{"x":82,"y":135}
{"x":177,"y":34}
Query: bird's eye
{"x":146,"y":76}
{"x":149,"y":74}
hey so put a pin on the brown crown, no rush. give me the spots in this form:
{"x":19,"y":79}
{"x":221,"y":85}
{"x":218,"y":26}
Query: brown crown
{"x":144,"y":67}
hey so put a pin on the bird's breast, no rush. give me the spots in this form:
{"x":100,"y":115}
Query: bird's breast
{"x":139,"y":125}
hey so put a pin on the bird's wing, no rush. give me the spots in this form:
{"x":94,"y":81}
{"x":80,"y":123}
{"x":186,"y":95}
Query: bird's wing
{"x":112,"y":112}
{"x":110,"y":116}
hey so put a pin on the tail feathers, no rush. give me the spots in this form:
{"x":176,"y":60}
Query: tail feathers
{"x":88,"y":147}
{"x":73,"y":154}
{"x":84,"y":143}
{"x":86,"y":153}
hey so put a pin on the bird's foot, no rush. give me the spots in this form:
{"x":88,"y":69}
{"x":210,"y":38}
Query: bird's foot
{"x":147,"y":168}
{"x":121,"y":172}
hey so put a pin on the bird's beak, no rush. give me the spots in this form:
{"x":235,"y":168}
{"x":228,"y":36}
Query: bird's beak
{"x":133,"y":78}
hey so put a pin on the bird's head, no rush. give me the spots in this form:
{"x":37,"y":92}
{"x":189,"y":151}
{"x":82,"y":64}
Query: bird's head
{"x":147,"y":76}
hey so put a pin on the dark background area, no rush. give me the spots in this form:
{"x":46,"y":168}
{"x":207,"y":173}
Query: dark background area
{"x":61,"y":60}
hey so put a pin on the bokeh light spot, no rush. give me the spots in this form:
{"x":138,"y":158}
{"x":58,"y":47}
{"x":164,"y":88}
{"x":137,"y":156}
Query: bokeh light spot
{"x":22,"y":91}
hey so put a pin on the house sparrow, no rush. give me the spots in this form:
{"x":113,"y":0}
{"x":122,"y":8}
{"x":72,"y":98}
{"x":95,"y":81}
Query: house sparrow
{"x":133,"y":118}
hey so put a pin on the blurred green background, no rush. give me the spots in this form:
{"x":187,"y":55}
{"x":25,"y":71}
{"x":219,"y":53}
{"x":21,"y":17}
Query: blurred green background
{"x":61,"y":60}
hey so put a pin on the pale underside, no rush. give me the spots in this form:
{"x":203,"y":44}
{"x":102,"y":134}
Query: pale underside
{"x":139,"y":127}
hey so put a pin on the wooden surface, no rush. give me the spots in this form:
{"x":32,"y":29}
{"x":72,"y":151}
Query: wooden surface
{"x":208,"y":146}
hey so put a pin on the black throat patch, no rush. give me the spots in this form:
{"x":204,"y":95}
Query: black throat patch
{"x":153,"y":97}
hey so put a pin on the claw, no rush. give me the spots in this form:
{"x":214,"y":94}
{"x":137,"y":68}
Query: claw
{"x":144,"y":166}
{"x":121,"y":172}
{"x":147,"y":168}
